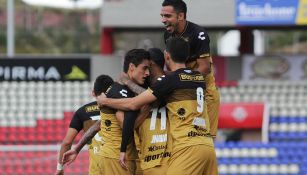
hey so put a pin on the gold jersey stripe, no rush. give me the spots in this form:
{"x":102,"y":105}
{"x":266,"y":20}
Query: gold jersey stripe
{"x":182,"y":94}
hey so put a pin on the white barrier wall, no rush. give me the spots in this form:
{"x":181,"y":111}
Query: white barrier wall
{"x":146,"y":13}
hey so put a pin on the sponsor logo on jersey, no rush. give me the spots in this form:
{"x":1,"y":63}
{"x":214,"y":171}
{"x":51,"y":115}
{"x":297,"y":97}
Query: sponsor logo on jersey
{"x":159,"y":138}
{"x":124,"y":92}
{"x":92,"y":108}
{"x":149,"y":158}
{"x":185,"y":77}
{"x":201,"y":36}
{"x":155,"y":148}
{"x":195,"y":134}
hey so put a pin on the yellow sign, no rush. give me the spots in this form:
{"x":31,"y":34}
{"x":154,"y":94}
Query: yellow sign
{"x":301,"y":18}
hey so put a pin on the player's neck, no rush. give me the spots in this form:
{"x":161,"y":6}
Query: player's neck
{"x":182,"y":28}
{"x":131,"y":77}
{"x":175,"y":66}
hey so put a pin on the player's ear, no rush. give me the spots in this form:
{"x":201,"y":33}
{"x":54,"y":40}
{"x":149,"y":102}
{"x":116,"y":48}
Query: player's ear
{"x":181,"y":16}
{"x":93,"y":94}
{"x":131,"y":66}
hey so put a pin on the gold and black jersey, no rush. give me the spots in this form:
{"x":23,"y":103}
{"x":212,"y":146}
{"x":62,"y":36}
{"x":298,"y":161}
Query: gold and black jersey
{"x":183,"y":92}
{"x":198,"y":39}
{"x":153,"y":136}
{"x":83,"y":119}
{"x":110,"y":127}
{"x":199,"y":42}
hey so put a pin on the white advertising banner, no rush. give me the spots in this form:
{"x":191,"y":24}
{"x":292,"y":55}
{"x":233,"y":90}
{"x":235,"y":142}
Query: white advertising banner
{"x":274,"y":67}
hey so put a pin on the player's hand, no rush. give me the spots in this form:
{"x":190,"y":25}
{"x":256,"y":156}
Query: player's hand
{"x":123,"y":78}
{"x":59,"y":172}
{"x":122,"y":160}
{"x":100,"y":99}
{"x":69,"y":157}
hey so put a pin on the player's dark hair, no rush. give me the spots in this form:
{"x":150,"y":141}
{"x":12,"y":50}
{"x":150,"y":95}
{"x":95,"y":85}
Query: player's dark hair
{"x":178,"y":5}
{"x":136,"y":57}
{"x":101,"y":84}
{"x":178,"y":48}
{"x":157,"y":56}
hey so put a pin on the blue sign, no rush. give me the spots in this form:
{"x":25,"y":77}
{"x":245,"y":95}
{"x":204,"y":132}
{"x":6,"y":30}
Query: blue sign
{"x":266,"y":12}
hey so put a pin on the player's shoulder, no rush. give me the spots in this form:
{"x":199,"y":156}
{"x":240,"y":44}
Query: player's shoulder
{"x":197,"y":31}
{"x":86,"y":106}
{"x":119,"y":91}
{"x":195,"y":27}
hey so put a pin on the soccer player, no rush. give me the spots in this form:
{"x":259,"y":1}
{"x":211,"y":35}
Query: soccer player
{"x":173,"y":14}
{"x":183,"y":91}
{"x":136,"y":65}
{"x":82,"y":119}
{"x":151,"y":133}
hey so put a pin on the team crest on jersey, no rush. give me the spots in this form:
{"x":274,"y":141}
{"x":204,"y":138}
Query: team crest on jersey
{"x":108,"y":123}
{"x":181,"y":112}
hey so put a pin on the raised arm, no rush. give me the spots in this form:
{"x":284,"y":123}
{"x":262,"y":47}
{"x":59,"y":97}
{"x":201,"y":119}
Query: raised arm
{"x":71,"y":155}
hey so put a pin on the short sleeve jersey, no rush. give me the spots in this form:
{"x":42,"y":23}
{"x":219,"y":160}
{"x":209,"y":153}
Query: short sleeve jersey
{"x":183,"y":91}
{"x":153,"y":135}
{"x":111,"y":130}
{"x":83,"y":119}
{"x":198,"y":40}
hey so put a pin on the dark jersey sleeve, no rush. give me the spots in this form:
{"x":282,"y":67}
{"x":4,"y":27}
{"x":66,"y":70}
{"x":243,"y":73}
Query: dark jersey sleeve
{"x":163,"y":86}
{"x":128,"y":128}
{"x":76,"y":121}
{"x":120,"y":91}
{"x":201,"y":43}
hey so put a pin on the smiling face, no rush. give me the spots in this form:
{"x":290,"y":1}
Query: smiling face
{"x":171,"y":19}
{"x":139,"y":73}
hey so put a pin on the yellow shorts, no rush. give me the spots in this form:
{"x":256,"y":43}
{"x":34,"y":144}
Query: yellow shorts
{"x":196,"y":160}
{"x":96,"y":164}
{"x":138,"y":170}
{"x":158,"y":170}
{"x":213,"y":106}
{"x":111,"y":166}
{"x":95,"y":160}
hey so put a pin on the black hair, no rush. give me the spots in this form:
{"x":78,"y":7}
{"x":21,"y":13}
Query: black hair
{"x":136,"y":57}
{"x":178,"y":5}
{"x":101,"y":84}
{"x":157,"y":56}
{"x":178,"y":48}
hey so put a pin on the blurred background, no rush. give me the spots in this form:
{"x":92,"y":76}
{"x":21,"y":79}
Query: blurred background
{"x":52,"y":51}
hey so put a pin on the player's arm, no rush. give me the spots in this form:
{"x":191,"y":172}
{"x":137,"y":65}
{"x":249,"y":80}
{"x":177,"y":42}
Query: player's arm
{"x":204,"y":65}
{"x":127,"y":135}
{"x":127,"y":104}
{"x":131,"y":85}
{"x":202,"y":49}
{"x":145,"y":110}
{"x":65,"y":146}
{"x":71,"y":155}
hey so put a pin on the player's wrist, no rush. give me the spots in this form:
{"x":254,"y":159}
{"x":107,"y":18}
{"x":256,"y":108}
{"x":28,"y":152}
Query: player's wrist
{"x":60,"y":167}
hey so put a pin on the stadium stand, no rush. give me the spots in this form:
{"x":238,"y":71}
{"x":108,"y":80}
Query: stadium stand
{"x":35,"y":115}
